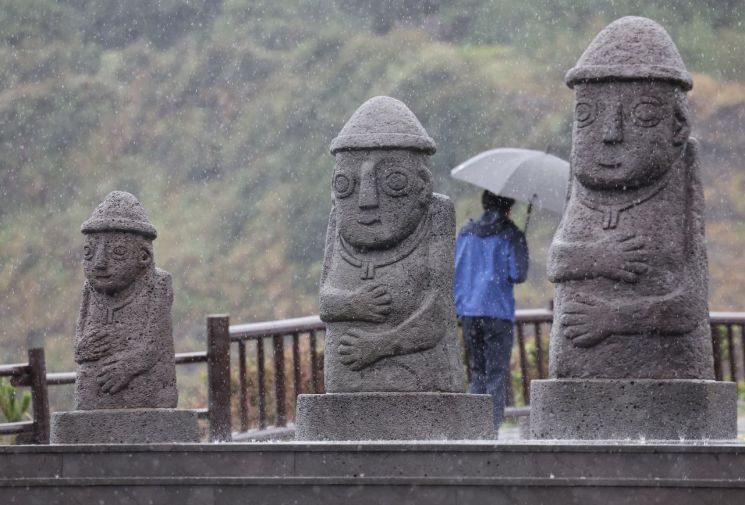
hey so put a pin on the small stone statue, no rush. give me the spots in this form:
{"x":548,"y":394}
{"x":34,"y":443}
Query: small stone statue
{"x":123,"y":344}
{"x":392,"y":360}
{"x":125,"y":388}
{"x":631,"y":352}
{"x":386,"y":288}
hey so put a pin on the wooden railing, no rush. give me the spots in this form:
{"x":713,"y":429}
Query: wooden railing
{"x":277,"y":360}
{"x":281,"y":336}
{"x":728,"y":343}
{"x":34,"y":376}
{"x":532,"y":328}
{"x":283,"y":364}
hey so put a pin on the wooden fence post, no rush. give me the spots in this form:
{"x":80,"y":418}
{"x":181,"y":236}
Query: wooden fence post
{"x":716,"y":350}
{"x":39,"y":394}
{"x":279,"y":379}
{"x":523,"y":364}
{"x":218,"y":377}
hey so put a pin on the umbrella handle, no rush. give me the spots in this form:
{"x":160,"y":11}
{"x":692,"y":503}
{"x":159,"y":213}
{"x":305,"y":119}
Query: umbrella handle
{"x":527,"y":215}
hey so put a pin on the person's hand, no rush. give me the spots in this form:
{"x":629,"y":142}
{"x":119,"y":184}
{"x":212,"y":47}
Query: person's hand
{"x":358,"y":350}
{"x":114,"y":375}
{"x":584,"y":321}
{"x":93,"y":346}
{"x":622,"y":258}
{"x":372,"y":303}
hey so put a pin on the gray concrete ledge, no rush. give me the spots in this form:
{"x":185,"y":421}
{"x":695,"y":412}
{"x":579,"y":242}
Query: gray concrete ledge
{"x":310,"y":473}
{"x":124,"y":426}
{"x":394,"y":416}
{"x":644,"y":409}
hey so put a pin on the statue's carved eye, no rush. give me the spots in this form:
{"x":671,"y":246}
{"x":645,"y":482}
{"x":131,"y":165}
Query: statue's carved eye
{"x":120,"y":251}
{"x":584,"y":113}
{"x":647,"y":112}
{"x":343,"y":185}
{"x":395,"y":183}
{"x":87,"y":252}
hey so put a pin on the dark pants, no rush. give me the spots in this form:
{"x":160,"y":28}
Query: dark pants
{"x":489,"y":344}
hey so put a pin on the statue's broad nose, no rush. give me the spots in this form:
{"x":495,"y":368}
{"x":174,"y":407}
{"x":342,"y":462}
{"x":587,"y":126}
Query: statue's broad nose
{"x":100,"y":260}
{"x":613,"y":125}
{"x":368,"y":188}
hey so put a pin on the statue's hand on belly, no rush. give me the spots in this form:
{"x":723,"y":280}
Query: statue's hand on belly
{"x":583,"y":320}
{"x":373,"y":303}
{"x":93,"y":346}
{"x":617,"y":257}
{"x":369,"y":302}
{"x":360,"y":349}
{"x":115,"y":374}
{"x":622,"y":258}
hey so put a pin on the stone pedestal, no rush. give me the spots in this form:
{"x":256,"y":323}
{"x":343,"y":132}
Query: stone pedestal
{"x":394,"y":416}
{"x":124,"y":426}
{"x":615,"y":409}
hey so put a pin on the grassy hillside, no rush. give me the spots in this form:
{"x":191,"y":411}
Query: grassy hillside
{"x":218,"y":116}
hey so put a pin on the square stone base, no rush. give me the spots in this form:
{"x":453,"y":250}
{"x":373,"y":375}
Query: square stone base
{"x":394,"y":416}
{"x":643,"y":409}
{"x":124,"y":426}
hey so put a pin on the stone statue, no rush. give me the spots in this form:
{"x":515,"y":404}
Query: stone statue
{"x":123,"y":342}
{"x":629,"y":259}
{"x":125,"y":386}
{"x":387,"y":281}
{"x":392,"y":360}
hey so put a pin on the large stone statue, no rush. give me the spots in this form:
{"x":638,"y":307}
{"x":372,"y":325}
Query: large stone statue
{"x":123,"y":343}
{"x":629,"y":259}
{"x":387,"y":281}
{"x":387,"y":290}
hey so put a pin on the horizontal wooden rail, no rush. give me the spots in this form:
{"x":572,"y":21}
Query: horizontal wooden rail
{"x":185,"y":358}
{"x":60,"y":378}
{"x":272,"y":328}
{"x":16,"y":428}
{"x":727,"y":317}
{"x":534,"y":316}
{"x":14,"y":370}
{"x":313,"y":323}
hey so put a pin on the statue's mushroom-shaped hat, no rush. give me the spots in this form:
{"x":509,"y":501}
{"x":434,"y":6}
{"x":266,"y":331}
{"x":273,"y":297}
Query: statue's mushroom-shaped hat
{"x":631,"y":48}
{"x":383,"y":122}
{"x":120,"y":211}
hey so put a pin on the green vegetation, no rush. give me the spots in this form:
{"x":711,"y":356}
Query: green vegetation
{"x":12,"y":406}
{"x":218,"y":114}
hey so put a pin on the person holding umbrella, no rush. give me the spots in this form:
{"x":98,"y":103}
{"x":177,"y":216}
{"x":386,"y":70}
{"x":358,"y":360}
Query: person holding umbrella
{"x":491,"y":256}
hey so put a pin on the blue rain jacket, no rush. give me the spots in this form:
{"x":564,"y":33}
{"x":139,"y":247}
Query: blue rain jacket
{"x":491,"y":255}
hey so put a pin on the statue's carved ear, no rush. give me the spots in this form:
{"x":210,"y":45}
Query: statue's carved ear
{"x":145,"y":256}
{"x":425,"y":191}
{"x":681,"y":127}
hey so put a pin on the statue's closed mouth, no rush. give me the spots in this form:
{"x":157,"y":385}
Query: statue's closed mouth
{"x":368,"y":221}
{"x":609,"y":164}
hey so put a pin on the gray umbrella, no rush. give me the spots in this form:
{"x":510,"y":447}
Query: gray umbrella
{"x":534,"y":177}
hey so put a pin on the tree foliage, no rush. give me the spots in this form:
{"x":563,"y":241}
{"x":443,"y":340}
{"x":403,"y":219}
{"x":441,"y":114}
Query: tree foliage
{"x":218,"y":116}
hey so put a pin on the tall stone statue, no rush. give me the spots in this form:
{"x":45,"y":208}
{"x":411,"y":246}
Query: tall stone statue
{"x":387,"y":290}
{"x":628,"y":259}
{"x":387,"y":281}
{"x":125,"y":386}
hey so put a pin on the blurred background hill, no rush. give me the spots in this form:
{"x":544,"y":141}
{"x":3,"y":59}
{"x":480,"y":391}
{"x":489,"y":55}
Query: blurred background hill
{"x":217,"y":115}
